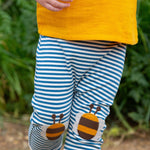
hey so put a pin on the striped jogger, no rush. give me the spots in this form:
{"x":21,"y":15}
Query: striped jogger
{"x":74,"y":86}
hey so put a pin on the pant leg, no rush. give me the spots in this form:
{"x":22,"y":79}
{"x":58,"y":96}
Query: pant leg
{"x":96,"y":87}
{"x":52,"y":98}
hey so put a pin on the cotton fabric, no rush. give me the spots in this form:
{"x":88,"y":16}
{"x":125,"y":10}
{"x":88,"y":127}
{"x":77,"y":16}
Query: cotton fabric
{"x":70,"y":77}
{"x":111,"y":20}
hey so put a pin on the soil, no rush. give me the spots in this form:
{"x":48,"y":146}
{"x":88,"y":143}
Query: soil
{"x":15,"y":137}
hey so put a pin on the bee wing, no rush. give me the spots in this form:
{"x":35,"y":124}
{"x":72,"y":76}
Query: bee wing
{"x":43,"y":131}
{"x":66,"y":124}
{"x":99,"y":133}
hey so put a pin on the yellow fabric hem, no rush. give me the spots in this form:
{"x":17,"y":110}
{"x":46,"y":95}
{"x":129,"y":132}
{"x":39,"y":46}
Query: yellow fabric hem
{"x":106,"y":37}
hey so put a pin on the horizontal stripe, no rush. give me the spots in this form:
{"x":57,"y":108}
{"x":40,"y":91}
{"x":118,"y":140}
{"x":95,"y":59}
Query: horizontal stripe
{"x":85,"y":135}
{"x":53,"y":138}
{"x":88,"y":123}
{"x":54,"y":134}
{"x":87,"y":130}
{"x":55,"y":130}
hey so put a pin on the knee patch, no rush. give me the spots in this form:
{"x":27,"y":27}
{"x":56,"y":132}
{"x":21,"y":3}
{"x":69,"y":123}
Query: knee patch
{"x":90,"y":125}
{"x":54,"y":131}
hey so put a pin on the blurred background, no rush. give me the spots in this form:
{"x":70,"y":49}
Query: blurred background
{"x":128,"y":125}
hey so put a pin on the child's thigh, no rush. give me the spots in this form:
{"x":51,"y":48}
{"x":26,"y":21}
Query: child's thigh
{"x":53,"y":84}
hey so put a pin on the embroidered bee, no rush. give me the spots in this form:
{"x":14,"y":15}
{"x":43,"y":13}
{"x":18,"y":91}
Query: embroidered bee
{"x":55,"y":130}
{"x":89,"y":125}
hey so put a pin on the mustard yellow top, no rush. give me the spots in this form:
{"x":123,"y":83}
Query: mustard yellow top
{"x":111,"y":20}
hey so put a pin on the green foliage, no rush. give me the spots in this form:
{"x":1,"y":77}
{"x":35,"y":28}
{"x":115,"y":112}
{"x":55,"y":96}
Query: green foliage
{"x":115,"y":132}
{"x":133,"y":97}
{"x":18,"y":38}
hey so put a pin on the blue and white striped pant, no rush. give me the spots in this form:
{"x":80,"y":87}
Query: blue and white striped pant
{"x":74,"y":86}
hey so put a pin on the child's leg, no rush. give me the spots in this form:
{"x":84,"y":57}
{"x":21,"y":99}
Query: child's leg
{"x":52,"y":99}
{"x":98,"y":68}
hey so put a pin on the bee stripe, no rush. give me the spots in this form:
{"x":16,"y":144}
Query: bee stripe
{"x":54,"y":134}
{"x":56,"y":130}
{"x":53,"y":138}
{"x":90,"y":117}
{"x":89,"y":123}
{"x":57,"y":125}
{"x":85,"y":135}
{"x":87,"y":130}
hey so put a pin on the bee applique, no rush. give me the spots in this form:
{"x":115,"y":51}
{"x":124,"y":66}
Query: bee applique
{"x":53,"y":131}
{"x":88,"y":126}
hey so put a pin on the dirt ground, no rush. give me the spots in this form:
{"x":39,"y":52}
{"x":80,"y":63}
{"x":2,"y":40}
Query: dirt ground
{"x":15,"y":137}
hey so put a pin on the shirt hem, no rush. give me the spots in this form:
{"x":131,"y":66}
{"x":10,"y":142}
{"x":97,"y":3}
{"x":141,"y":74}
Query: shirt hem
{"x":107,"y":37}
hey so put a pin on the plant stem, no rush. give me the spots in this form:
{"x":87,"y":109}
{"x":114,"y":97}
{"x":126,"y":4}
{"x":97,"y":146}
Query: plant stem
{"x":121,"y":118}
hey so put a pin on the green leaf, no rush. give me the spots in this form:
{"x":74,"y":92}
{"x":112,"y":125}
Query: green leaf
{"x":136,"y":116}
